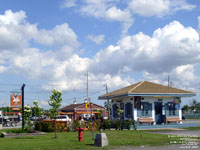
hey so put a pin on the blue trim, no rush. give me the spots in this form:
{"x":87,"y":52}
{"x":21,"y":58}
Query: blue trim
{"x":161,"y":94}
{"x":143,"y":94}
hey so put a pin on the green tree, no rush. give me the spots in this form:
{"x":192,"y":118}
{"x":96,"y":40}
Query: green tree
{"x":27,"y":114}
{"x":195,"y":106}
{"x":36,"y":109}
{"x":55,"y":102}
{"x":185,"y":108}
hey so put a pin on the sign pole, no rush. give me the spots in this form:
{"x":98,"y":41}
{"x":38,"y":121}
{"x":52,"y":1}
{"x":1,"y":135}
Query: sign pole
{"x":91,"y":121}
{"x":22,"y":88}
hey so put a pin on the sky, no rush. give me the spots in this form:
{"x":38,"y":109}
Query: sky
{"x":48,"y":44}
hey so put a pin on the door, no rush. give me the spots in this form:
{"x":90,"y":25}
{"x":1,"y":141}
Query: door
{"x":158,"y":112}
{"x":122,"y":108}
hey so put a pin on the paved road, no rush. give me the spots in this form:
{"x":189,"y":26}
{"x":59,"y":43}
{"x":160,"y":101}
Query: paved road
{"x":168,"y":147}
{"x":180,"y":133}
{"x":188,"y":133}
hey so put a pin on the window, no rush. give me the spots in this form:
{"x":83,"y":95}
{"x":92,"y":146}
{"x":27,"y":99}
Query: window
{"x":171,"y":109}
{"x":115,"y":109}
{"x":144,"y":109}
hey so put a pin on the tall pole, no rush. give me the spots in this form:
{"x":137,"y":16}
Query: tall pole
{"x":91,"y":120}
{"x":22,"y":88}
{"x":168,"y":80}
{"x":87,"y":84}
{"x":90,"y":106}
{"x":108,"y":103}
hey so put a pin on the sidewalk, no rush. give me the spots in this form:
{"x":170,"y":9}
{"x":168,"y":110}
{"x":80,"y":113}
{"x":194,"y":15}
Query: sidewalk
{"x":167,"y":147}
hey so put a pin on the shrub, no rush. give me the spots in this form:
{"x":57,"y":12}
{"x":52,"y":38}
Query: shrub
{"x":134,"y":124}
{"x":44,"y":126}
{"x":38,"y":126}
{"x":98,"y":125}
{"x":117,"y":124}
{"x":89,"y":126}
{"x":75,"y":125}
{"x":107,"y":124}
{"x":68,"y":129}
{"x":127,"y":124}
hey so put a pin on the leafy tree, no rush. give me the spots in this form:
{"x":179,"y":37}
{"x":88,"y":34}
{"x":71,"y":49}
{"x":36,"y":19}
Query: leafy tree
{"x":108,"y":107}
{"x":36,"y":109}
{"x":55,"y":102}
{"x":27,"y":114}
{"x":185,"y":108}
{"x":195,"y":106}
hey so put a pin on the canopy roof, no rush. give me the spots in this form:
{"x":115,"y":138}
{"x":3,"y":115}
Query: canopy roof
{"x":146,"y":88}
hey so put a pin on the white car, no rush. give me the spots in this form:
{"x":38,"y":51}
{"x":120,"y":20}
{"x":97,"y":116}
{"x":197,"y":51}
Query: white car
{"x":63,"y":118}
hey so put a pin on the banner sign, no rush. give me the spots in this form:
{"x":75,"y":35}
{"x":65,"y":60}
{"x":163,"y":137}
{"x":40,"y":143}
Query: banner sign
{"x":15,"y":102}
{"x":87,"y":105}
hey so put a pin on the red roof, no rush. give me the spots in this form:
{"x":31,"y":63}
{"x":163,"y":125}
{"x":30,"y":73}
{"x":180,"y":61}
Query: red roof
{"x":71,"y":108}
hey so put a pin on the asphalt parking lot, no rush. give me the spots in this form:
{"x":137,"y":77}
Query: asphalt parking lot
{"x":193,"y":145}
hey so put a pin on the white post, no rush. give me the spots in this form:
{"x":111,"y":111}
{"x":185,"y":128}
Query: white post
{"x":153,"y":113}
{"x":180,"y":115}
{"x":1,"y":125}
{"x":134,"y":112}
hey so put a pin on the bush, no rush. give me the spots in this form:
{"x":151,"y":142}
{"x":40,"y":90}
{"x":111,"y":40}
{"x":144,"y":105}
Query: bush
{"x":117,"y":124}
{"x":38,"y":126}
{"x":75,"y":125}
{"x":68,"y":129}
{"x":44,"y":126}
{"x":107,"y":124}
{"x":98,"y":125}
{"x":89,"y":126}
{"x":127,"y":124}
{"x":134,"y":124}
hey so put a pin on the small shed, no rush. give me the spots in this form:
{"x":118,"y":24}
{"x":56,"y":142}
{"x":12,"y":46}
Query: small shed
{"x":147,"y":102}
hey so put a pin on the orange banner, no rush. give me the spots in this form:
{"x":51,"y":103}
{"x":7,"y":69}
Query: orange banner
{"x":15,"y":101}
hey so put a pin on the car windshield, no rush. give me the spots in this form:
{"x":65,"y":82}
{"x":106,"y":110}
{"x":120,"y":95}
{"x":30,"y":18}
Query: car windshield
{"x":61,"y":117}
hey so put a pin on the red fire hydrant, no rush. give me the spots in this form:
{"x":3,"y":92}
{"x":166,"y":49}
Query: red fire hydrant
{"x":80,"y":134}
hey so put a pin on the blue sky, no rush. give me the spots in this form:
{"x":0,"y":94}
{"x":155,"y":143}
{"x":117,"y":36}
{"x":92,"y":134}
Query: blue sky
{"x":53,"y":43}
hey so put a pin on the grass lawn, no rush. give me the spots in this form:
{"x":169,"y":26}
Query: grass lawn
{"x":69,"y":140}
{"x":192,"y":128}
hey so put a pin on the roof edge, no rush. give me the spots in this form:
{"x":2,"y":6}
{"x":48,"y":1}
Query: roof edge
{"x":149,"y":94}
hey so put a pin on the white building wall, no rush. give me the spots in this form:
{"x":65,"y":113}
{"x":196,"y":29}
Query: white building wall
{"x":151,"y":100}
{"x":153,"y":111}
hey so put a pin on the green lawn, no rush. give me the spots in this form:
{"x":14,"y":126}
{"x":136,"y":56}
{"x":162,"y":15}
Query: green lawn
{"x":192,"y":128}
{"x":69,"y":140}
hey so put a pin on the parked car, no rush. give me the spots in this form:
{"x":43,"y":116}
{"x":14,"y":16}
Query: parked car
{"x":62,"y":118}
{"x":34,"y":118}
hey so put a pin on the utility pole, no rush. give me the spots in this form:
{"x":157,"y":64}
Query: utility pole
{"x":88,"y":99}
{"x":22,"y":89}
{"x":87,"y":85}
{"x":168,"y":80}
{"x":108,"y":103}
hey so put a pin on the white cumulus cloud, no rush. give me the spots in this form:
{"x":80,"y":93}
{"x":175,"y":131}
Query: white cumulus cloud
{"x":68,"y":4}
{"x":98,"y":39}
{"x":106,"y":9}
{"x":158,"y":7}
{"x":170,"y":46}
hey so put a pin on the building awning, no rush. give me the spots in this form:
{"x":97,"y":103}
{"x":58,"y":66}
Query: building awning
{"x":66,"y":113}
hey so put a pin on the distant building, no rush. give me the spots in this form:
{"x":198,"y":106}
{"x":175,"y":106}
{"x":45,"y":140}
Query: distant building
{"x":74,"y":111}
{"x":147,"y":102}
